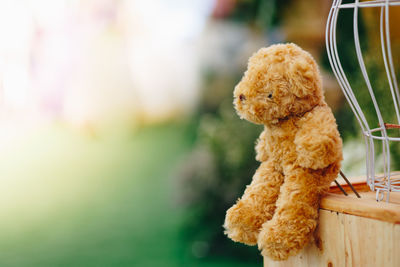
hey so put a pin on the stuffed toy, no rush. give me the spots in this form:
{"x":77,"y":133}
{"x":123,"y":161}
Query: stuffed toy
{"x":300,"y":151}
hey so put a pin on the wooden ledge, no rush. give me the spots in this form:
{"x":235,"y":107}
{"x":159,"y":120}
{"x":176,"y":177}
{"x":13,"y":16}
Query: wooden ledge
{"x":352,"y":232}
{"x":366,"y":206}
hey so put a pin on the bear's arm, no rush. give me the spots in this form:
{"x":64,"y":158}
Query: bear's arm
{"x":262,"y":148}
{"x":318,"y":143}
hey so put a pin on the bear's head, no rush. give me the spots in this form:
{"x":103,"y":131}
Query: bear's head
{"x":281,"y":81}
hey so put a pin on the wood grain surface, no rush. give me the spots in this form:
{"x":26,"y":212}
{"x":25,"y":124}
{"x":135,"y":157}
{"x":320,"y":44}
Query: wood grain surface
{"x":352,"y":232}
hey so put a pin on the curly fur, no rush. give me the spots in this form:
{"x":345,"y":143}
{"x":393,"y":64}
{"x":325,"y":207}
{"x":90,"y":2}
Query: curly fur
{"x":300,"y":151}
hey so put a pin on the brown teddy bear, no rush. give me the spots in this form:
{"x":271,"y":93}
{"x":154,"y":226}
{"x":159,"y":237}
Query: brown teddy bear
{"x":300,"y":151}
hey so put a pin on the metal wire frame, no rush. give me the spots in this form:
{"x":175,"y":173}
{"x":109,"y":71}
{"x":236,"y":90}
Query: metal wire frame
{"x":389,"y":181}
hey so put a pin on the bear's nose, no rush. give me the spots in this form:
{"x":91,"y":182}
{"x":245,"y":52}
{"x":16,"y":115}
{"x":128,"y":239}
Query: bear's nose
{"x":242,"y":97}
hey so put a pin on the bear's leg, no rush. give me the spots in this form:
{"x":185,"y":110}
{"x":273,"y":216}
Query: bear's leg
{"x":243,"y":221}
{"x":295,"y":217}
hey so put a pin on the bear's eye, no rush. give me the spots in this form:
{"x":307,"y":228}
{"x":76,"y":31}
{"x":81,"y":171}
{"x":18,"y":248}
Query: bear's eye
{"x":270,"y":95}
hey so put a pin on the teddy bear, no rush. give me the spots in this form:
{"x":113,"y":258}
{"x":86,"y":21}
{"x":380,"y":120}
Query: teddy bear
{"x":299,"y":150}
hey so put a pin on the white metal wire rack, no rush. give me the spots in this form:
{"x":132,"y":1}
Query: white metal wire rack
{"x":389,"y":181}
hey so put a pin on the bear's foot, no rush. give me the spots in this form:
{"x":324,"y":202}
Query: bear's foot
{"x":243,"y":224}
{"x":280,"y":239}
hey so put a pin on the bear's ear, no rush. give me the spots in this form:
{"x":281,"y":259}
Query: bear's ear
{"x":304,"y":77}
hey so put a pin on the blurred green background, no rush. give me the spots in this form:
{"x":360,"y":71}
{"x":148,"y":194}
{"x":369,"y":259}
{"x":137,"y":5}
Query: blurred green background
{"x":120,"y":145}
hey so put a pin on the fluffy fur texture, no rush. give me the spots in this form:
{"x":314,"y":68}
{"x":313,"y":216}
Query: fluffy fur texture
{"x":300,"y":151}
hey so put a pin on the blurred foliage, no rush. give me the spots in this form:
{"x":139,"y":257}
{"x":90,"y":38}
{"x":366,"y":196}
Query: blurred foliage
{"x":93,"y":201}
{"x":214,"y":176}
{"x":261,"y":14}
